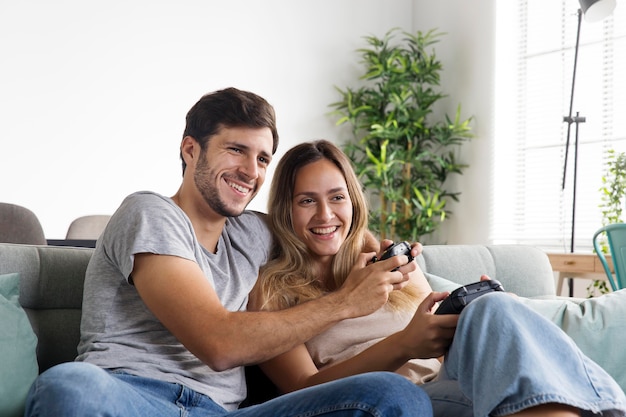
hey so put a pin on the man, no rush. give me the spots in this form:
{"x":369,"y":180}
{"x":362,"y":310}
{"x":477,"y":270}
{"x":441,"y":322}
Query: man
{"x":164,"y":328}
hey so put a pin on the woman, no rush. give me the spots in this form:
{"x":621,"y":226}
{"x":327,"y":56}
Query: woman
{"x":500,"y":359}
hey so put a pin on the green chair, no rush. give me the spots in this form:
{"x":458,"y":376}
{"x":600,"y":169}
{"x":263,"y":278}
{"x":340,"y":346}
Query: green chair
{"x":616,"y":237}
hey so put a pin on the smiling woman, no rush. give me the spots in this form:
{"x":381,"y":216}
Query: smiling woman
{"x":316,"y":213}
{"x":324,"y":213}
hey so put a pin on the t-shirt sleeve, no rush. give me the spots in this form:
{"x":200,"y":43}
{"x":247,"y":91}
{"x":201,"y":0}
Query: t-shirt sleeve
{"x":147,"y":223}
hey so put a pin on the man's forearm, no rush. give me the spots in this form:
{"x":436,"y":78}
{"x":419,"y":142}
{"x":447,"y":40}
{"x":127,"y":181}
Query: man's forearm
{"x":253,"y":337}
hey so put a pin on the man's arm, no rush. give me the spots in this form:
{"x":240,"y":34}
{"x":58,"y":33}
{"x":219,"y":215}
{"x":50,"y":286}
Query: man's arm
{"x":180,"y":296}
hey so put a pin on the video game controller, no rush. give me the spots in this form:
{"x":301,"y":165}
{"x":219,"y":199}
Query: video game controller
{"x":399,"y":248}
{"x":462,"y":296}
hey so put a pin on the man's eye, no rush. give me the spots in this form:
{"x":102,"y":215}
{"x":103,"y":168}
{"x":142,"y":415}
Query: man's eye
{"x":264,"y":160}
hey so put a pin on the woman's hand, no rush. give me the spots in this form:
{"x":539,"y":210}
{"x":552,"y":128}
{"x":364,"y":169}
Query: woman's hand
{"x":485,"y":277}
{"x":416,"y":250}
{"x":368,"y":285}
{"x":416,"y":247}
{"x":429,"y":335}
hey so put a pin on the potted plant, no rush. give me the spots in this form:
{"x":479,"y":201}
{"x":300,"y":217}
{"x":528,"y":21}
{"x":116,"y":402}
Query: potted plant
{"x":402,"y":153}
{"x":613,"y":191}
{"x":613,"y":187}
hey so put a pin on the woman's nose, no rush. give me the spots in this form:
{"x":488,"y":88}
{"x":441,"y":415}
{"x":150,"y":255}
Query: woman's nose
{"x":324,"y":211}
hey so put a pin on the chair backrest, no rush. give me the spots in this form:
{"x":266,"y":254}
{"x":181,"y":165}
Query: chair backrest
{"x":88,"y":227}
{"x":20,"y":225}
{"x":616,"y":238}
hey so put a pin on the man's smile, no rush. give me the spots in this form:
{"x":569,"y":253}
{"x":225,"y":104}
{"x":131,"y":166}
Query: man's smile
{"x":242,"y":189}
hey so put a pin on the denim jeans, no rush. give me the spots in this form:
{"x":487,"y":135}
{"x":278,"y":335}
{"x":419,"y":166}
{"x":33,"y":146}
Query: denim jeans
{"x":505,"y":357}
{"x":79,"y":389}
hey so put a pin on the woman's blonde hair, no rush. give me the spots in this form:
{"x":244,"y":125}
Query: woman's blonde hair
{"x":291,"y":277}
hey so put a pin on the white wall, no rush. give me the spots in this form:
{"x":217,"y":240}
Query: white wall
{"x":467,"y":52}
{"x":93,"y":97}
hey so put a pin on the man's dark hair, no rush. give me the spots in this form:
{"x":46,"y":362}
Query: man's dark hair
{"x":228,"y":108}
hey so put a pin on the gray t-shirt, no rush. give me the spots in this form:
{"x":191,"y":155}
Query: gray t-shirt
{"x":118,"y":332}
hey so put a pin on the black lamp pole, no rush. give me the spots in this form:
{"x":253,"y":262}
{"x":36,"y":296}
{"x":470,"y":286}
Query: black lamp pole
{"x":570,"y":119}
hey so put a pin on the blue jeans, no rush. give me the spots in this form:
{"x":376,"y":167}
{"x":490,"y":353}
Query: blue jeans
{"x":77,"y":389}
{"x":505,"y":357}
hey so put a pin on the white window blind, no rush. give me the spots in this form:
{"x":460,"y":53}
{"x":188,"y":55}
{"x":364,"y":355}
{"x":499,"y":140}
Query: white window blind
{"x":535,"y":60}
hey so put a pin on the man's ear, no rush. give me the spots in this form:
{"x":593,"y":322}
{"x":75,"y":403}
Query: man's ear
{"x":189,"y":149}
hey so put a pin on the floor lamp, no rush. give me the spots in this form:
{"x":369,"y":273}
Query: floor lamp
{"x":594,"y":11}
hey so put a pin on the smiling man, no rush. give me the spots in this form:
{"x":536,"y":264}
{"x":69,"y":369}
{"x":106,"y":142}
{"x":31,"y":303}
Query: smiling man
{"x":165,"y":329}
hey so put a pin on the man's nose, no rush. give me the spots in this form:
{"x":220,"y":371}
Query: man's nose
{"x":250,"y":168}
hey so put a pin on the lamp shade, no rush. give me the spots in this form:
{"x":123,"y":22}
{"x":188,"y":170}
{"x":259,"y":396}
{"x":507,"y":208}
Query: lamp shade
{"x":596,"y":10}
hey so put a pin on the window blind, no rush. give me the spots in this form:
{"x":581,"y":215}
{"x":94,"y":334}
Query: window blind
{"x":535,"y":57}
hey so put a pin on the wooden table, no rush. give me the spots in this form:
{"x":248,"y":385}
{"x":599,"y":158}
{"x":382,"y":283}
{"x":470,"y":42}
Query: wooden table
{"x":577,"y":265}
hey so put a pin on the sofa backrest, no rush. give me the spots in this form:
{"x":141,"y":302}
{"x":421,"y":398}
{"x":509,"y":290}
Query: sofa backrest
{"x":51,"y":283}
{"x":51,"y":292}
{"x":522,"y":269}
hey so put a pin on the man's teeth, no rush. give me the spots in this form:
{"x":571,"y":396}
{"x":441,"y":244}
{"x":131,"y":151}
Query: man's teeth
{"x":323,"y":230}
{"x":239,"y":188}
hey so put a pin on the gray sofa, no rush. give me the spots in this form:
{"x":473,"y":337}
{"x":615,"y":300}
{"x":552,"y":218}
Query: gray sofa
{"x":51,"y":283}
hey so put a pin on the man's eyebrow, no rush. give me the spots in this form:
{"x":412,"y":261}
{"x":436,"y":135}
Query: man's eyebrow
{"x":235,"y":144}
{"x":245,"y":147}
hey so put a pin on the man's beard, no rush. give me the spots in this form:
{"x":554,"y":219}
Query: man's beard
{"x":203,"y":176}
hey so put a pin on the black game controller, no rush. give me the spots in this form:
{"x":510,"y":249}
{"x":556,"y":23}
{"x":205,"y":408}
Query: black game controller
{"x":400,"y":248}
{"x":462,"y":296}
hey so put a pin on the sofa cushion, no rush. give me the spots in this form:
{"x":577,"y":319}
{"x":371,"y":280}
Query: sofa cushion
{"x":18,"y":345}
{"x":440,"y":284}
